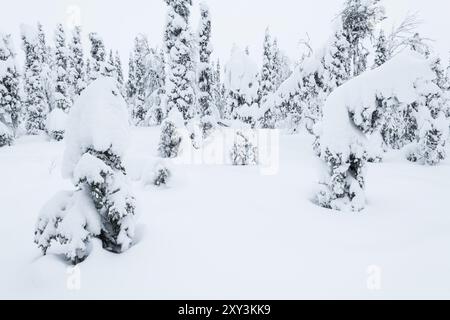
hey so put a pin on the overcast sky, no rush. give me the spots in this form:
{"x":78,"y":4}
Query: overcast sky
{"x":234,"y":21}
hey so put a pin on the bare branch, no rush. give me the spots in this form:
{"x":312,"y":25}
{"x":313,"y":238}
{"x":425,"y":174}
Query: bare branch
{"x":307,"y":44}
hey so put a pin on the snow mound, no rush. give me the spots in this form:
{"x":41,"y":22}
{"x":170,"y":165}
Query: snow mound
{"x":98,"y":120}
{"x":66,"y":223}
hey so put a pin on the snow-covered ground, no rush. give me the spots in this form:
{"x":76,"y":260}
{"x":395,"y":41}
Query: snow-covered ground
{"x":231,"y":232}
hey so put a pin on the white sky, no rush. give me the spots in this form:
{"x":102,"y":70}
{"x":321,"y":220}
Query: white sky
{"x":234,"y":21}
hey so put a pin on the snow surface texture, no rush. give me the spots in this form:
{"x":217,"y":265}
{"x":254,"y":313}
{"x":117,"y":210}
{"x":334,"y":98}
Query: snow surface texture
{"x":270,"y":241}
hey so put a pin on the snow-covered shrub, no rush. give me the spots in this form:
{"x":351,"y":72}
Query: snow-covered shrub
{"x":350,"y":113}
{"x":343,"y":187}
{"x":170,"y":140}
{"x":6,"y":136}
{"x":56,"y":124}
{"x":244,"y":152}
{"x":102,"y":205}
{"x":161,"y":175}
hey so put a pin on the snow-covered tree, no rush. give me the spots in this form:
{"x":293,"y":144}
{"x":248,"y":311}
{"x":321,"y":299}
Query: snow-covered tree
{"x":77,"y":71}
{"x":170,"y":140}
{"x":119,"y":70}
{"x":102,"y":205}
{"x":155,"y":87}
{"x":62,"y":96}
{"x":218,"y":89}
{"x":282,"y":65}
{"x":381,"y":50}
{"x":244,"y":152}
{"x":393,"y":130}
{"x":98,"y":57}
{"x":418,"y":44}
{"x":10,"y":98}
{"x":48,"y":63}
{"x":241,"y":83}
{"x":268,"y":75}
{"x":35,"y":102}
{"x":432,"y":125}
{"x":180,"y":68}
{"x":359,"y":20}
{"x":353,"y":111}
{"x":88,"y":70}
{"x":136,"y":85}
{"x":268,"y":80}
{"x":130,"y":87}
{"x":111,"y":70}
{"x":336,"y":60}
{"x":208,"y":111}
{"x":161,"y":175}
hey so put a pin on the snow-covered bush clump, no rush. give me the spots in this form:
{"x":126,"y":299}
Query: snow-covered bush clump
{"x":244,"y":151}
{"x":161,"y":175}
{"x":102,"y":205}
{"x":241,"y":83}
{"x":351,"y":112}
{"x":56,"y":124}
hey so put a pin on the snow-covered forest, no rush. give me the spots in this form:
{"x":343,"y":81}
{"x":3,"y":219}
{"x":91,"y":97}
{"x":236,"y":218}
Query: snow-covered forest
{"x":175,"y":174}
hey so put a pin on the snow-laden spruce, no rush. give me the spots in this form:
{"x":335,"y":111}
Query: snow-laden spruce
{"x":144,"y":88}
{"x":268,"y":79}
{"x":430,"y":117}
{"x":180,"y":68}
{"x":208,"y":112}
{"x":77,"y":71}
{"x":354,"y":110}
{"x":35,"y":102}
{"x":102,"y":205}
{"x":62,"y":96}
{"x":10,"y":100}
{"x":99,"y":64}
